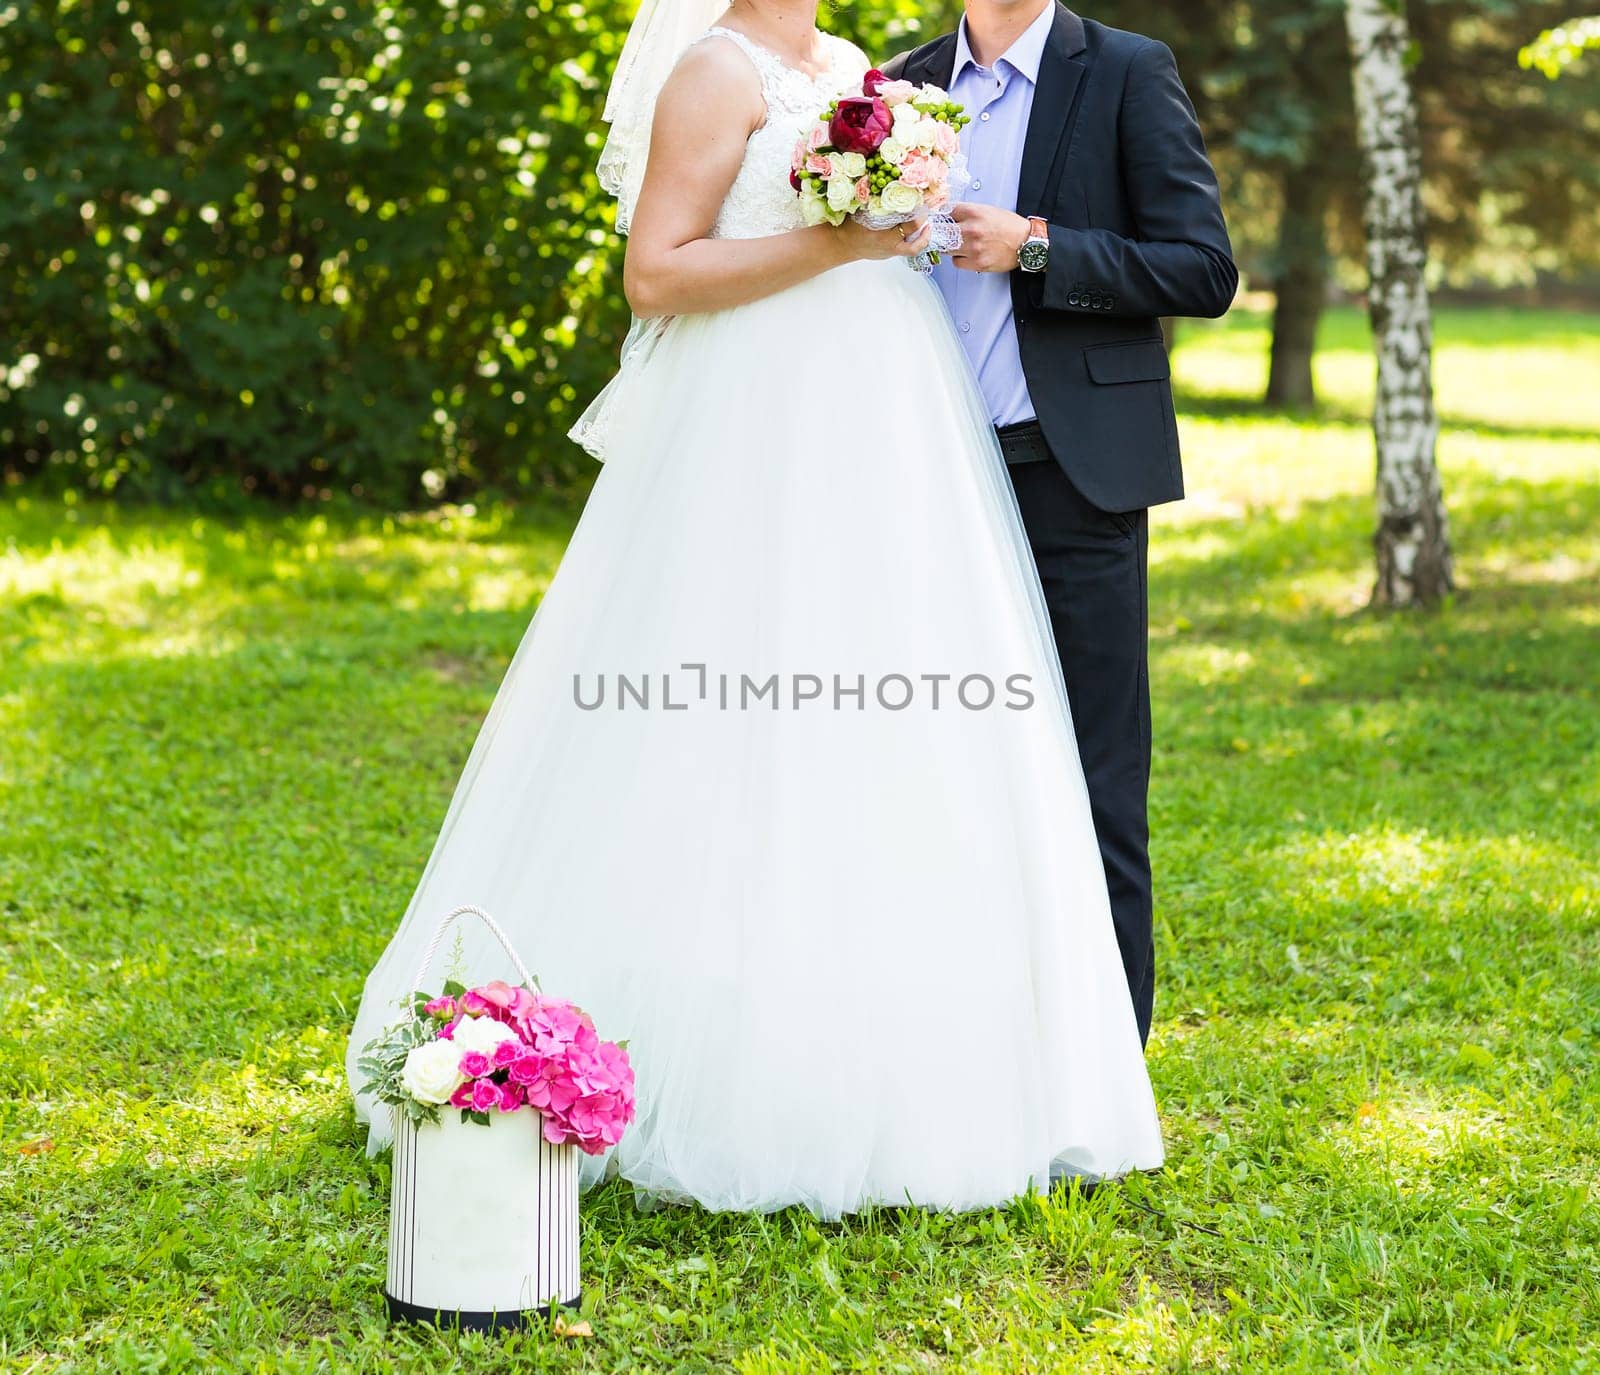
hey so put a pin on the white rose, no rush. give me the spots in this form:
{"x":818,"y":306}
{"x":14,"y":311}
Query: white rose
{"x":835,"y":165}
{"x":893,"y":151}
{"x":813,"y":209}
{"x":853,"y":165}
{"x":927,"y":133}
{"x":906,"y":119}
{"x":900,"y":199}
{"x":932,"y":95}
{"x":841,"y":194}
{"x":433,"y":1071}
{"x":482,"y":1034}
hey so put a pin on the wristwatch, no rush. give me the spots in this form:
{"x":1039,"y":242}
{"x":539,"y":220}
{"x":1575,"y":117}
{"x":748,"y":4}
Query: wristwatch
{"x":1034,"y":255}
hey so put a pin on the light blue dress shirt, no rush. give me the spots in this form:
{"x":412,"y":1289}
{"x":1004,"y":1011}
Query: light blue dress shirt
{"x":998,"y":100}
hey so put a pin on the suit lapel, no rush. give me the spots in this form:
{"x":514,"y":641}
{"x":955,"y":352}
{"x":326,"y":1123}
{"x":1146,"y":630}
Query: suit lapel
{"x":935,"y":63}
{"x":1060,"y":72}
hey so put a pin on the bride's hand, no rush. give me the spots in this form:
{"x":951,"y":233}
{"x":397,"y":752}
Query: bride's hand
{"x":901,"y":241}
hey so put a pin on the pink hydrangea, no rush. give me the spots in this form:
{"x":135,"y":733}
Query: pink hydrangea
{"x":582,"y":1087}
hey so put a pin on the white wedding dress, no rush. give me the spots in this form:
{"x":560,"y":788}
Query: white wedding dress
{"x":862,"y":951}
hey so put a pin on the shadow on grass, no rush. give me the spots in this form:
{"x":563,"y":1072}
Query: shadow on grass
{"x":1251,"y":409}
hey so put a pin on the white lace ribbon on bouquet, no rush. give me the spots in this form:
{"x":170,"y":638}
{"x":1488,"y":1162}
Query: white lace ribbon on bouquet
{"x":944,"y":234}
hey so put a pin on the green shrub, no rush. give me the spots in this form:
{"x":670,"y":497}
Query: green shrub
{"x":295,"y":247}
{"x":288,"y":247}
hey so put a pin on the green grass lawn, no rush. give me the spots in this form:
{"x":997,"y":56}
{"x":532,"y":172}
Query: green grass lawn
{"x":225,"y":747}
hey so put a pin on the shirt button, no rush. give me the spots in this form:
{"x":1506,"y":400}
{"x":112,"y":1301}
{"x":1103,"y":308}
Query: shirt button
{"x":984,"y":116}
{"x":966,"y":327}
{"x":977,"y":186}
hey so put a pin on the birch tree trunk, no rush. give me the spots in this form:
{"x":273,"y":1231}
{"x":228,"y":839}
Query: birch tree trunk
{"x":1413,"y":538}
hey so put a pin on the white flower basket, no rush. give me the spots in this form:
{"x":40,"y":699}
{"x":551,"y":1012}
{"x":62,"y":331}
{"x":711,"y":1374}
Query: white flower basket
{"x":483,"y":1221}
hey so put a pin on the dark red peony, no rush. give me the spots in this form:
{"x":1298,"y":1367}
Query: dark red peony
{"x":872,"y":81}
{"x":860,"y":124}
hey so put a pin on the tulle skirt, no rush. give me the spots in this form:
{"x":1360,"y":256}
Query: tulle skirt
{"x":781,"y":786}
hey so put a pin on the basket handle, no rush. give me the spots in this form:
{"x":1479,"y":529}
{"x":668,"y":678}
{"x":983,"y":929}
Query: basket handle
{"x":468,"y":909}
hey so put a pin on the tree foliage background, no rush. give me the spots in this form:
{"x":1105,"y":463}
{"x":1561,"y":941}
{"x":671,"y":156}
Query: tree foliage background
{"x":337,"y":245}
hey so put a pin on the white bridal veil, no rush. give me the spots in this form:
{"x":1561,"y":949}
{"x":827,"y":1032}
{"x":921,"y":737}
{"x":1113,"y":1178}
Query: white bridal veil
{"x":661,"y":31}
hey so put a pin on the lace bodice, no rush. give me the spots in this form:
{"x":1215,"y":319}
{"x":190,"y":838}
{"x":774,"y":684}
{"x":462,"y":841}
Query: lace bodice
{"x":761,"y":201}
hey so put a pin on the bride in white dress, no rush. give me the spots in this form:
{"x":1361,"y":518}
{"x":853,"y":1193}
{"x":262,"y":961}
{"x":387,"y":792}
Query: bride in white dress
{"x":825,"y":857}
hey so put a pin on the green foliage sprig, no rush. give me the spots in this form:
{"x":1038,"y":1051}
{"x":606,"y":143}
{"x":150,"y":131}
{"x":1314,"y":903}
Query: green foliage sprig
{"x":384,"y":1058}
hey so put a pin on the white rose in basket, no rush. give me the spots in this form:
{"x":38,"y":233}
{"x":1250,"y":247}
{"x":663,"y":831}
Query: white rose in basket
{"x":481,"y":1034}
{"x":433,"y":1072}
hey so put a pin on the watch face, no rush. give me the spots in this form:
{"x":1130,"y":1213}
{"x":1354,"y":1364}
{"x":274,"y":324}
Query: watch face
{"x":1034,"y":255}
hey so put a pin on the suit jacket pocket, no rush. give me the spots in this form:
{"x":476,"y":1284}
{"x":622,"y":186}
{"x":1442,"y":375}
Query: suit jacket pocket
{"x":1139,"y":360}
{"x":1125,"y":413}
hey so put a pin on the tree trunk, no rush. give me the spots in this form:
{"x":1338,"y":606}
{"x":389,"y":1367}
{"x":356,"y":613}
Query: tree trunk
{"x":1302,"y":283}
{"x":1413,"y":539}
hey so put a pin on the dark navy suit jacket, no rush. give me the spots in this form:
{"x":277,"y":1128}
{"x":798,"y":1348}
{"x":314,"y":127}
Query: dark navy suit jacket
{"x":1115,"y":163}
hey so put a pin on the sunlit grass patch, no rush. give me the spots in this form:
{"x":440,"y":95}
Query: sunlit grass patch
{"x":226,"y":746}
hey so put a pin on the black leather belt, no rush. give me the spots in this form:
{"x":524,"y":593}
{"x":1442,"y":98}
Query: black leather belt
{"x":1023,"y":443}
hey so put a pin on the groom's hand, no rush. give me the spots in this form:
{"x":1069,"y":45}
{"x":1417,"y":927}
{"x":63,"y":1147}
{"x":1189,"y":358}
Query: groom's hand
{"x":990,"y":237}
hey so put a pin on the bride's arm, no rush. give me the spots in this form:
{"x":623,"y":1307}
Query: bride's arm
{"x":707,"y":110}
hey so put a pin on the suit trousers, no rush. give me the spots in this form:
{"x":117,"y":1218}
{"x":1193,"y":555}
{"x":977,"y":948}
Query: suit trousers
{"x":1093,"y":569}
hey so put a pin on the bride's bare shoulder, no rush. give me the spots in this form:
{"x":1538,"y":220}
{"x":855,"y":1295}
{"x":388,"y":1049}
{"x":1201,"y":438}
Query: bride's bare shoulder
{"x":712,"y":73}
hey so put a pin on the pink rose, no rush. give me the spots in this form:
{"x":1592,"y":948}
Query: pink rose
{"x":864,"y":190}
{"x":860,"y":125}
{"x":797,"y":159}
{"x":527,"y":1067}
{"x":474,"y":1064}
{"x":936,"y":197}
{"x":473,"y":1003}
{"x":442,"y":1008}
{"x":917,"y":169}
{"x":462,"y":1097}
{"x":946,"y":142}
{"x":818,"y":165}
{"x":485,"y":1095}
{"x":896,"y":92}
{"x":448,"y":1031}
{"x":510,"y":1097}
{"x":817,"y":137}
{"x":506,"y":1053}
{"x":505,"y":1003}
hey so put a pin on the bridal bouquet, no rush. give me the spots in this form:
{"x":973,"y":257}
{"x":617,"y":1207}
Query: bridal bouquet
{"x":885,"y":156}
{"x":497,"y":1049}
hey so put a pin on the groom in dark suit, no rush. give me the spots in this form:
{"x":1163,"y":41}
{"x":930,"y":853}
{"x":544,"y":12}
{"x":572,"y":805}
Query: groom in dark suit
{"x":1093,"y":211}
